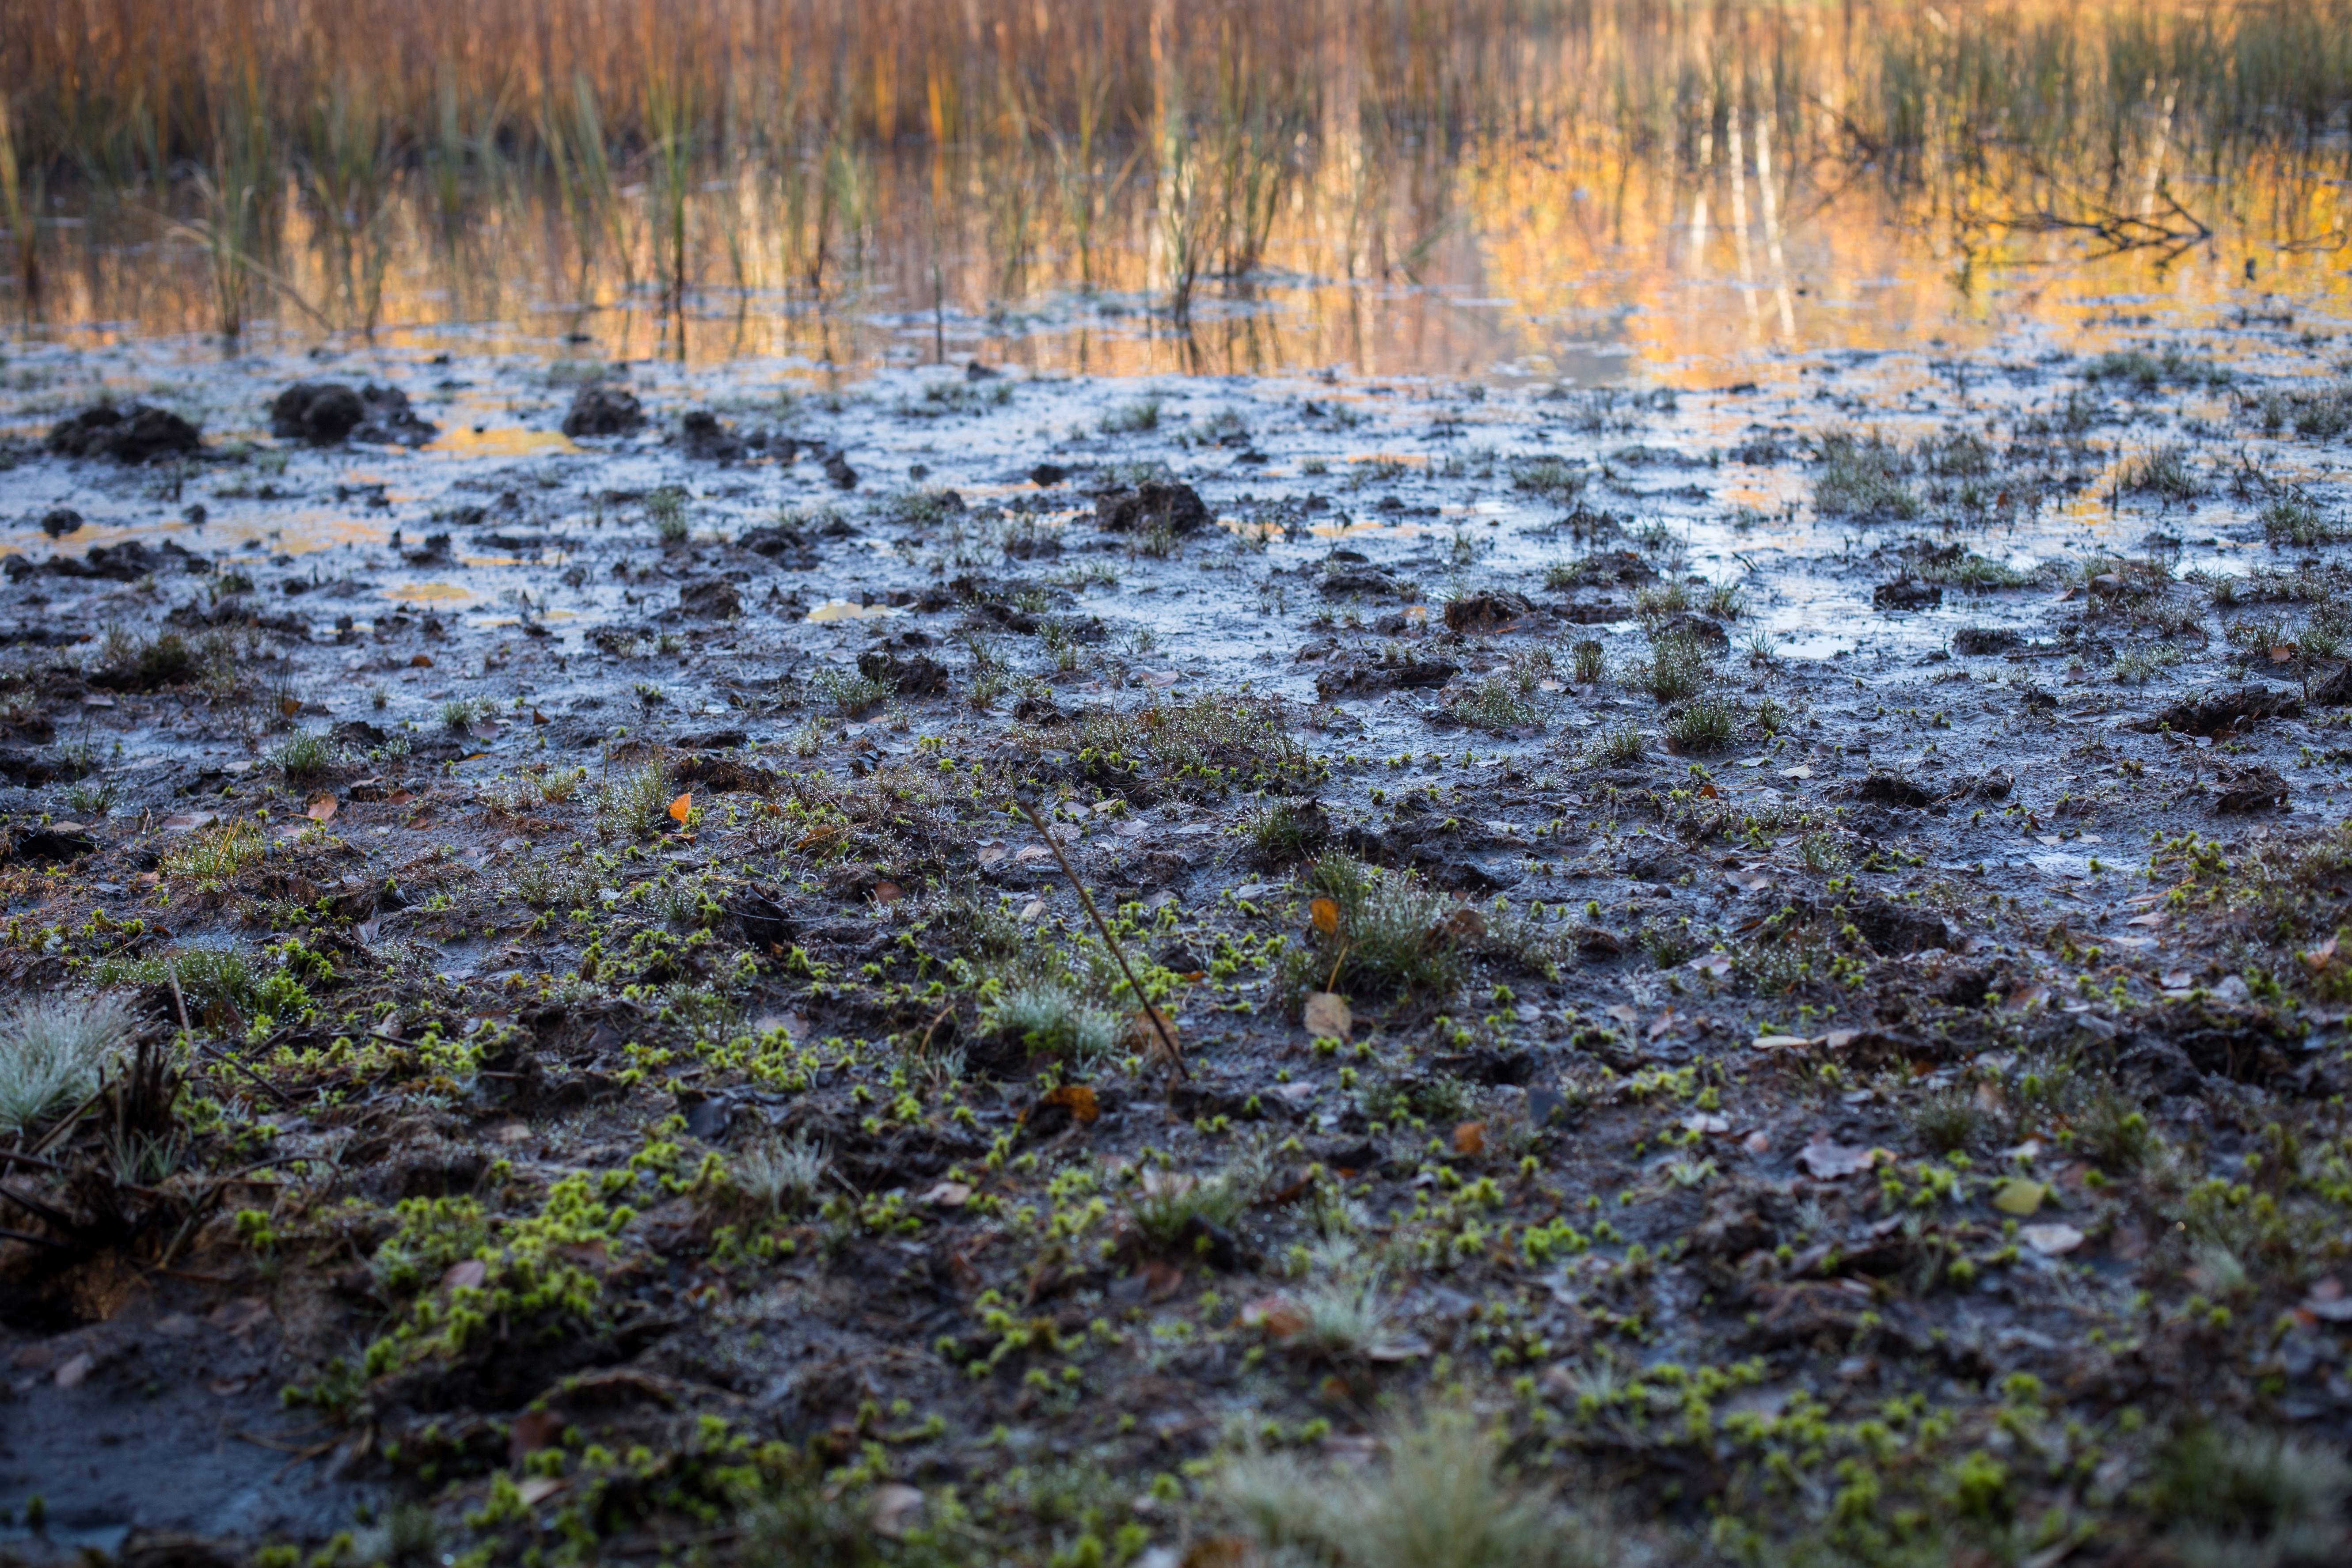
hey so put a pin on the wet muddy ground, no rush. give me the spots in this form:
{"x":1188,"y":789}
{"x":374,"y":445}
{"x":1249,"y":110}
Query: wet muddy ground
{"x":1777,"y":946}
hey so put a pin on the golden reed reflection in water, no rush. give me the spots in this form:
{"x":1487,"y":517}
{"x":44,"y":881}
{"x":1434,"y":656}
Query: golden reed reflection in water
{"x":1587,"y":192}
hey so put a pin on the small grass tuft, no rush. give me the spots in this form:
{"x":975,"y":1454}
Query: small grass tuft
{"x":1862,"y":477}
{"x":53,"y":1050}
{"x":1706,"y":725}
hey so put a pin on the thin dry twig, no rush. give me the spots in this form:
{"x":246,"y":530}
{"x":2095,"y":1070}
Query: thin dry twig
{"x":1159,"y":1024}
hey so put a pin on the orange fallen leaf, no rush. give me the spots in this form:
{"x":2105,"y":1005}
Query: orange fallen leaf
{"x":1710,"y":792}
{"x":884,"y":892}
{"x":681,"y":805}
{"x":290,"y":705}
{"x":322,"y":807}
{"x":421,"y":661}
{"x":1325,"y":916}
{"x":1470,"y":1137}
{"x":1077,"y":1098}
{"x":537,"y":716}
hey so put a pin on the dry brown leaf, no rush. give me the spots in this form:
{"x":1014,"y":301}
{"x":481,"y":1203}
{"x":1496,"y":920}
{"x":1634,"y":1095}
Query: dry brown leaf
{"x":531,"y":1431}
{"x":1470,"y":1139}
{"x":1325,"y":916}
{"x":1079,"y":1099}
{"x":947,"y":1196}
{"x":1463,"y":924}
{"x":1275,"y":1317}
{"x":887,"y":892}
{"x":1144,"y":1034}
{"x":421,"y":661}
{"x":1327,"y":1016}
{"x":322,"y":807}
{"x":466,"y":1274}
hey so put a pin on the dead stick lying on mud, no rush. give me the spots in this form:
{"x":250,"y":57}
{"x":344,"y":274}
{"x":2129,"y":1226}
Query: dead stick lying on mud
{"x":1159,"y":1024}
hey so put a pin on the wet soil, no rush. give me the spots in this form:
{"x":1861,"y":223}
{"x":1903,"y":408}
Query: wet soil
{"x":1779,"y":942}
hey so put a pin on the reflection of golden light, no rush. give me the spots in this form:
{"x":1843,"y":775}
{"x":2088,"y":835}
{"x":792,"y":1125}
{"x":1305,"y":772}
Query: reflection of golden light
{"x":844,"y":610}
{"x":506,"y":441}
{"x":1577,"y":227}
{"x":431,"y":593}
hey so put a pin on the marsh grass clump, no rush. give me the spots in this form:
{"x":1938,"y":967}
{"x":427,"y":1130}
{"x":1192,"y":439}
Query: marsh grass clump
{"x":1173,"y":1211}
{"x":2320,"y":415}
{"x":1973,"y":572}
{"x":2247,"y":1496}
{"x":1946,"y":1118}
{"x":2292,"y":520}
{"x":1660,"y":600}
{"x":1199,"y":747}
{"x":777,"y":1179}
{"x":1497,"y":703}
{"x":129,"y":662}
{"x":1047,"y":1015}
{"x":218,"y":984}
{"x":2166,"y":473}
{"x":1549,"y":479}
{"x":1389,"y":934}
{"x":212,"y":858}
{"x":1136,"y":419}
{"x":1621,"y":748}
{"x":854,"y":693}
{"x":2144,"y":375}
{"x":1707,"y":724}
{"x":1286,"y":832}
{"x":2114,"y":1132}
{"x":53,"y":1051}
{"x":666,"y":508}
{"x":1862,"y":477}
{"x":306,"y":754}
{"x":1439,"y":1500}
{"x":1680,"y":666}
{"x":1591,"y":665}
{"x":1961,"y":455}
{"x":636,"y":805}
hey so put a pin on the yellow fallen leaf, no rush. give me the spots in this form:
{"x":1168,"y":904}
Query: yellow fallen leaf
{"x":1470,"y":1137}
{"x":322,"y":807}
{"x":1327,"y":1016}
{"x":1325,"y":916}
{"x":681,"y":805}
{"x":2019,"y":1197}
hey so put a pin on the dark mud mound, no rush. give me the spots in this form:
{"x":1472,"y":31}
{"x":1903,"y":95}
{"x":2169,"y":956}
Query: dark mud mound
{"x":326,"y":412}
{"x":704,"y":438}
{"x":132,"y":433}
{"x":599,"y":410}
{"x":1172,"y":508}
